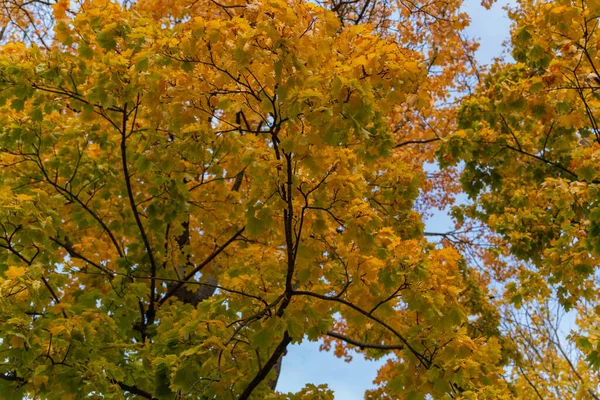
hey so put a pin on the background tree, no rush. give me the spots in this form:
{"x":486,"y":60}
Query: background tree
{"x":28,"y":21}
{"x":547,"y":362}
{"x":189,"y":187}
{"x":530,"y":144}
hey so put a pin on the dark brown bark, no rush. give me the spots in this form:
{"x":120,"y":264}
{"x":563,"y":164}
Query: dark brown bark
{"x":280,"y":350}
{"x":204,"y":291}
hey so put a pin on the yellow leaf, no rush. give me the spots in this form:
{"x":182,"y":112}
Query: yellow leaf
{"x":216,"y":321}
{"x":57,"y":308}
{"x":411,"y":67}
{"x":94,"y":150}
{"x":40,"y":380}
{"x":17,"y":342}
{"x":362,"y":60}
{"x":14,"y":272}
{"x":57,"y":329}
{"x":60,"y":9}
{"x":24,"y":197}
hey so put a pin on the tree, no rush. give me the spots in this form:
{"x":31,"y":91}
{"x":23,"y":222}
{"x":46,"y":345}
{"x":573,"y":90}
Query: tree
{"x":188,"y":188}
{"x":530,"y":144}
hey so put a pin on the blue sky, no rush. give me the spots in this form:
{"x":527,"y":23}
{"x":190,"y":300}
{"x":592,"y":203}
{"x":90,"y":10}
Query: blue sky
{"x":304,"y":363}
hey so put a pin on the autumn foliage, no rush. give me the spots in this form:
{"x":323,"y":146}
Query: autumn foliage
{"x":530,"y":144}
{"x":188,"y":187}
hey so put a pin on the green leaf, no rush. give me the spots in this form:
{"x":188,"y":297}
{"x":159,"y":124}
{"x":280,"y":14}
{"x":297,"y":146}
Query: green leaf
{"x":85,"y":51}
{"x":587,"y":173}
{"x":185,"y":376}
{"x":187,"y":66}
{"x":584,"y":344}
{"x":12,"y":390}
{"x":161,"y":382}
{"x":18,"y":104}
{"x":412,"y":395}
{"x":36,"y":114}
{"x":142,"y":63}
{"x":263,"y":338}
{"x":517,"y":300}
{"x":107,"y":40}
{"x":594,"y":359}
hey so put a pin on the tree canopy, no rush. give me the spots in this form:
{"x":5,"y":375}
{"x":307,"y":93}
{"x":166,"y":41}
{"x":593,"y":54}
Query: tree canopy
{"x":530,"y":143}
{"x":188,"y":187}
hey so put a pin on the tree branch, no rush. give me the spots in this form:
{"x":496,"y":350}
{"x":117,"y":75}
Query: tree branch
{"x":151,"y":311}
{"x":365,"y":345}
{"x":133,"y":389}
{"x":425,"y":141}
{"x":12,"y":377}
{"x":418,"y":355}
{"x":208,"y":259}
{"x":264,"y":371}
